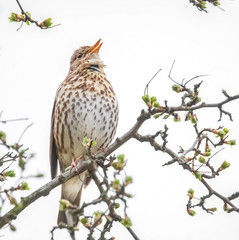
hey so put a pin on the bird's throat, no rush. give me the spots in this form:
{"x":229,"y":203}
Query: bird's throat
{"x":94,"y":67}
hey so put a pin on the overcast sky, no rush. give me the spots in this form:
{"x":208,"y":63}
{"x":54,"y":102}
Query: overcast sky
{"x":139,"y":37}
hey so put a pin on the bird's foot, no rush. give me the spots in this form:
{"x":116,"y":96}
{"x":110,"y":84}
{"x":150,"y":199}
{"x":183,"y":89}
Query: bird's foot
{"x":74,"y":163}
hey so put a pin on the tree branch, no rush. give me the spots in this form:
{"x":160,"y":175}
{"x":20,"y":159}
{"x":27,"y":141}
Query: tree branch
{"x":42,"y":191}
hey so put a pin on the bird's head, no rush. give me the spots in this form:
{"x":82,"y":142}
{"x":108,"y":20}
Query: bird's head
{"x":87,"y":58}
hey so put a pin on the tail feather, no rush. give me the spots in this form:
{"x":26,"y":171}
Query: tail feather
{"x":71,"y":191}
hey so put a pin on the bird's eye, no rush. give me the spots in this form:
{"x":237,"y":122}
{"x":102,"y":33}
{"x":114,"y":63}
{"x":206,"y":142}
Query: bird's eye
{"x":80,"y":55}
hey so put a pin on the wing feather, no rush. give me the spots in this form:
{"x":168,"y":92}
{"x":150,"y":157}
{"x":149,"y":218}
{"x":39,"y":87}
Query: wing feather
{"x":53,"y":154}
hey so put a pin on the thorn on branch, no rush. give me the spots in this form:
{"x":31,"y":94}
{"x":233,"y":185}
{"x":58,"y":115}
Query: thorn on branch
{"x":169,"y":162}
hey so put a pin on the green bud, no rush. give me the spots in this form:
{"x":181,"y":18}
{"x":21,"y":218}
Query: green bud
{"x":156,"y":105}
{"x":190,"y":193}
{"x":226,"y":130}
{"x":98,"y":213}
{"x":15,"y":17}
{"x":146,"y":98}
{"x":128,"y":180}
{"x":177,"y":119}
{"x":87,"y":143}
{"x":212,"y":209}
{"x":221,"y":134}
{"x":98,"y":217}
{"x":40,"y":175}
{"x":15,"y":146}
{"x":156,"y":116}
{"x":128,"y":195}
{"x":201,"y":159}
{"x":85,"y":140}
{"x":166,"y":116}
{"x":215,"y":3}
{"x":24,"y":186}
{"x":224,"y":165}
{"x":116,"y":184}
{"x":116,"y":205}
{"x":3,"y":136}
{"x":28,"y":14}
{"x":203,"y":4}
{"x":121,"y":157}
{"x":64,"y":204}
{"x":85,"y":222}
{"x":176,"y":88}
{"x":207,"y":154}
{"x":126,"y":222}
{"x":119,"y":165}
{"x":191,"y":212}
{"x":194,"y":120}
{"x":153,"y":99}
{"x":231,"y":142}
{"x":10,"y":173}
{"x":21,"y":163}
{"x":46,"y":23}
{"x":198,"y":175}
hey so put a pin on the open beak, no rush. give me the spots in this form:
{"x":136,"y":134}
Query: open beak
{"x":96,"y":47}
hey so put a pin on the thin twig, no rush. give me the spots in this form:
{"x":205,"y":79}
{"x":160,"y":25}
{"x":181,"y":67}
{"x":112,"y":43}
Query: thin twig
{"x":147,"y":85}
{"x":24,"y":131}
{"x":13,"y":120}
{"x":27,"y":18}
{"x":169,"y":75}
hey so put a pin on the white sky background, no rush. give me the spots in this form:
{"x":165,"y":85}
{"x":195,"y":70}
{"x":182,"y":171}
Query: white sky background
{"x":139,"y":38}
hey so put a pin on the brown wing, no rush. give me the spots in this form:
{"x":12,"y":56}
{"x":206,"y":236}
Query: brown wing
{"x":53,"y":155}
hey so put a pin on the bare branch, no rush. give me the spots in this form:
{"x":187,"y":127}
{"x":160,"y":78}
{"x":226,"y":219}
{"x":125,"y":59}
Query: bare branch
{"x":13,"y":120}
{"x":147,"y":85}
{"x":24,"y":131}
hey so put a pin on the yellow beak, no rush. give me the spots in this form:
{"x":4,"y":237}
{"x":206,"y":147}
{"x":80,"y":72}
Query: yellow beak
{"x":96,"y":47}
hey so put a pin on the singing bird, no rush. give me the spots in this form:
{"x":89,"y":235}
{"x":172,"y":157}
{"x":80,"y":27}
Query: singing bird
{"x":85,"y":106}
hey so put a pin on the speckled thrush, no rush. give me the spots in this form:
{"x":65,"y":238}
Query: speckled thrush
{"x":85,"y":106}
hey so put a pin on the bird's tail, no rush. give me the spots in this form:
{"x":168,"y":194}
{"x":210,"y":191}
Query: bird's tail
{"x":71,"y":191}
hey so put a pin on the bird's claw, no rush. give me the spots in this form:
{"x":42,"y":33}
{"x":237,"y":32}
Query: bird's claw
{"x":74,"y":163}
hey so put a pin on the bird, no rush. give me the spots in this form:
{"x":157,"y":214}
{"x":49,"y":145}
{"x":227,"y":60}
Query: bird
{"x":85,"y":106}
